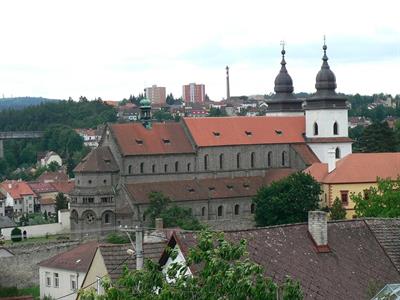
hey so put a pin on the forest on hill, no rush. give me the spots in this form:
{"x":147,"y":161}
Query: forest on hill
{"x":58,"y":121}
{"x":22,"y":102}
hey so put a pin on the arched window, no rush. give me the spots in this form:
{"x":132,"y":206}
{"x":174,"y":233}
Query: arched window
{"x":206,"y":162}
{"x":107,"y":218}
{"x":238,"y":160}
{"x":269,"y":159}
{"x":252,"y":159}
{"x":153,"y":168}
{"x":141,"y":168}
{"x":284,"y":158}
{"x":221,"y":161}
{"x":337,"y":153}
{"x":315,"y":128}
{"x":176,"y":166}
{"x":220,"y":211}
{"x":203,"y":211}
{"x":165,"y":168}
{"x":252,"y":208}
{"x":74,"y":216}
{"x":236,"y":209}
{"x":130,"y":169}
{"x":188,"y":167}
{"x":335,"y":128}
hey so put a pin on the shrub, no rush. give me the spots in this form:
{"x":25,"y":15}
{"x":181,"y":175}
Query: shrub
{"x":16,"y":235}
{"x":115,"y":238}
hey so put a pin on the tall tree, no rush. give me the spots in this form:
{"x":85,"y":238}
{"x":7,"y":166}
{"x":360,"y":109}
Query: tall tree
{"x":287,"y":201}
{"x":378,"y":137}
{"x":61,"y":203}
{"x":337,"y":211}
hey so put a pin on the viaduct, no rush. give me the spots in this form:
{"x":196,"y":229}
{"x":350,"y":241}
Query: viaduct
{"x":13,"y":135}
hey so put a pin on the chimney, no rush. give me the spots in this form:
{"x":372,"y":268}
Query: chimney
{"x":318,"y":230}
{"x":159,"y":224}
{"x":331,"y":159}
{"x":139,"y":247}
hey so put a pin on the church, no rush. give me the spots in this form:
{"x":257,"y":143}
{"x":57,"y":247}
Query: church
{"x":214,"y":166}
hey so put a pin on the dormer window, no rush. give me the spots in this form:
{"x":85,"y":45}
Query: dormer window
{"x":166,"y":141}
{"x":278,"y":132}
{"x":216,"y":133}
{"x":248,"y":133}
{"x":246,"y":185}
{"x":229,"y":187}
{"x":139,"y":142}
{"x":191,"y":190}
{"x":211,"y":188}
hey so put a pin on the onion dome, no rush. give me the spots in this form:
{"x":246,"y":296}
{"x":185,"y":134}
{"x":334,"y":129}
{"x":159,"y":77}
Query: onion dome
{"x":326,"y":79}
{"x":283,"y":82}
{"x":145,"y":102}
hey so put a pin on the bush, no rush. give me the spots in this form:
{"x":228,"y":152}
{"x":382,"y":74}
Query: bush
{"x":16,"y":235}
{"x":115,"y":238}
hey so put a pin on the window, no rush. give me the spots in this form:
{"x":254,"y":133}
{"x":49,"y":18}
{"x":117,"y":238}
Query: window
{"x":206,"y":162}
{"x":221,"y":161}
{"x":236,"y":209}
{"x":335,"y":128}
{"x":238,"y":160}
{"x":188,"y":167}
{"x":73,"y":282}
{"x":48,"y":279}
{"x":344,"y":195}
{"x":269,"y":163}
{"x":153,"y":168}
{"x":252,"y":159}
{"x":90,"y":181}
{"x":315,"y":128}
{"x":203,"y":211}
{"x":107,"y":218}
{"x":176,"y":166}
{"x":165,"y":168}
{"x":220,"y":211}
{"x":337,"y":153}
{"x":56,"y":280}
{"x":142,"y":168}
{"x":284,"y":158}
{"x":87,"y":200}
{"x":130,"y":169}
{"x":106,"y":199}
{"x":105,"y":181}
{"x":252,"y":208}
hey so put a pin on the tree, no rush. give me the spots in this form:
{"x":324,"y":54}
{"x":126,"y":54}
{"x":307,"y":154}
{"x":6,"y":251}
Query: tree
{"x":337,"y":211}
{"x":226,"y":272}
{"x":172,"y":215}
{"x":216,"y":112}
{"x":378,"y":137}
{"x":287,"y":201}
{"x":16,"y":235}
{"x":61,"y":203}
{"x":382,"y":201}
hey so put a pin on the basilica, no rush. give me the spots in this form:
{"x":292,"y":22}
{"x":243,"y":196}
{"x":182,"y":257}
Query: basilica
{"x":214,"y":166}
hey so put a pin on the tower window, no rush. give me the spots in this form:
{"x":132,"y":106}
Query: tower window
{"x":220,"y":211}
{"x":284,"y":158}
{"x":335,"y":128}
{"x":252,"y":159}
{"x":237,"y":209}
{"x":337,"y":153}
{"x":269,"y":163}
{"x":165,"y":168}
{"x":176,"y":166}
{"x":188,"y":167}
{"x":221,"y":161}
{"x":252,"y":208}
{"x":206,"y":162}
{"x":153,"y":168}
{"x":315,"y":128}
{"x":238,"y":160}
{"x":142,"y":168}
{"x":203,"y":211}
{"x":130,"y":169}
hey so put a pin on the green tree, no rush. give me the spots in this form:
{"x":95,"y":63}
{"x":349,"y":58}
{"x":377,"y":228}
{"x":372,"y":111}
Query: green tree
{"x":337,"y":211}
{"x":162,"y":116}
{"x":226,"y":273}
{"x":381,"y":201}
{"x":61,"y":203}
{"x":287,"y":201}
{"x":378,"y":137}
{"x":216,"y":112}
{"x":16,"y":235}
{"x":172,"y":215}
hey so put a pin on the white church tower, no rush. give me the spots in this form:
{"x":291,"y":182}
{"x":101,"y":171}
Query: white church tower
{"x":326,"y":117}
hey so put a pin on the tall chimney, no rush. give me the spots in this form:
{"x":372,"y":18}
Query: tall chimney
{"x":331,"y":159}
{"x":318,"y":229}
{"x":228,"y":93}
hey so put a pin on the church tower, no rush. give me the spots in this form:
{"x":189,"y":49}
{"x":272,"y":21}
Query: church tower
{"x":326,"y":116}
{"x":284,"y":102}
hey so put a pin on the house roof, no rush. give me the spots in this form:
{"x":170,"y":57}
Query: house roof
{"x":115,"y":256}
{"x":308,"y":156}
{"x":359,"y":168}
{"x":343,"y":139}
{"x":41,"y":187}
{"x":64,"y":187}
{"x":98,"y":160}
{"x":17,"y":189}
{"x":135,"y":139}
{"x":204,"y":189}
{"x":355,"y":261}
{"x":227,"y":131}
{"x":77,"y":259}
{"x":53,"y":177}
{"x":6,"y":222}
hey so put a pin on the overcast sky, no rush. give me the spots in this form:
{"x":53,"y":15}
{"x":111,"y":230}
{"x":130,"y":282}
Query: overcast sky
{"x":110,"y":49}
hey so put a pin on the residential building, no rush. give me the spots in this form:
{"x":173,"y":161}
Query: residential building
{"x":356,"y":173}
{"x":57,"y":176}
{"x":91,"y":137}
{"x":46,"y":196}
{"x":110,"y":260}
{"x":331,"y":260}
{"x":2,"y":204}
{"x":19,"y":196}
{"x":359,"y":121}
{"x":193,"y":92}
{"x":62,"y":275}
{"x":156,"y":94}
{"x":49,"y":157}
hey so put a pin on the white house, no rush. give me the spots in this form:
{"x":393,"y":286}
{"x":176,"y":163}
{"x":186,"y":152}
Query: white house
{"x":19,"y":196}
{"x":50,"y":157}
{"x":62,"y":275}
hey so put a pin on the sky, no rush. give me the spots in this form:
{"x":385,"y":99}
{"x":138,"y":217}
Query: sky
{"x":111,"y":49}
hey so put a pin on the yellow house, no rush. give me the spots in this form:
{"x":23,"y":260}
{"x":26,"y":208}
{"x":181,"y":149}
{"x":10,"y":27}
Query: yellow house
{"x":355,"y":173}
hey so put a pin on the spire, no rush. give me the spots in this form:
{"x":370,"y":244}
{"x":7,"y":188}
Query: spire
{"x":228,"y":94}
{"x":326,"y":79}
{"x":283,"y":82}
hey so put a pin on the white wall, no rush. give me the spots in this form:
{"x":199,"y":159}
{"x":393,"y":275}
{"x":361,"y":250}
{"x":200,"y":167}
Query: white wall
{"x":325,"y":119}
{"x":179,"y":259}
{"x":64,"y":283}
{"x":38,"y":230}
{"x":321,"y":149}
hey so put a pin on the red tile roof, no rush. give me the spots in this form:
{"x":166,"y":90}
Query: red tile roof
{"x":41,"y":187}
{"x":356,"y":258}
{"x":306,"y":153}
{"x":17,"y":189}
{"x":359,"y":168}
{"x":134,"y":139}
{"x":53,"y":176}
{"x":64,"y":187}
{"x":246,"y":130}
{"x":77,"y":259}
{"x":330,"y":140}
{"x":204,"y":189}
{"x":98,"y":160}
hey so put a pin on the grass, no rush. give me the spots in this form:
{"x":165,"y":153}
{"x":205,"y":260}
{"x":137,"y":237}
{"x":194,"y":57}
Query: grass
{"x":13,"y":291}
{"x":33,"y":240}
